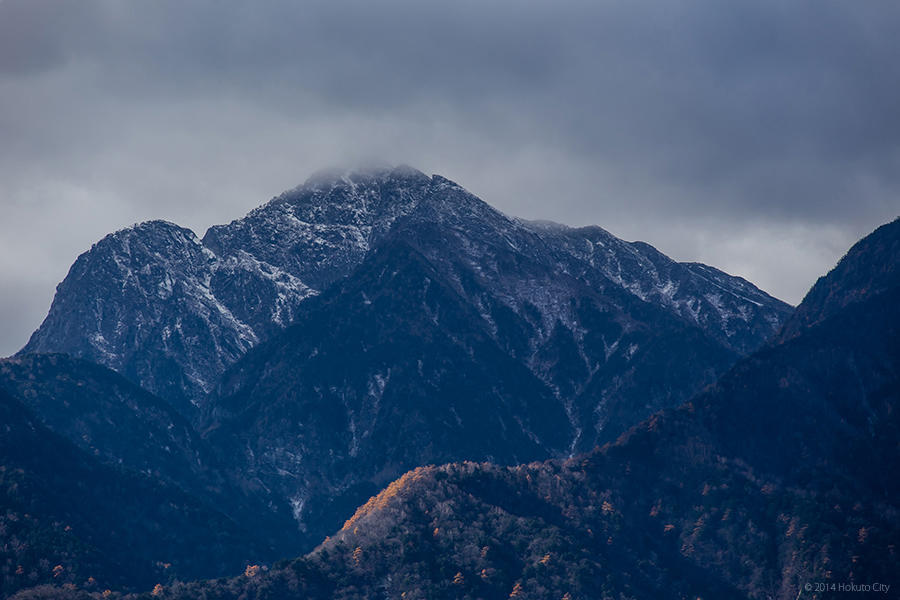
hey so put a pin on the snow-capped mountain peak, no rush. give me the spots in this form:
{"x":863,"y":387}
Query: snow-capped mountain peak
{"x":172,"y":311}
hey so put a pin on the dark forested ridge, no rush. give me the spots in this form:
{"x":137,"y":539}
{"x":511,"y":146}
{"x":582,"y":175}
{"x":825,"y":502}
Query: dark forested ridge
{"x":119,"y":425}
{"x":65,"y":517}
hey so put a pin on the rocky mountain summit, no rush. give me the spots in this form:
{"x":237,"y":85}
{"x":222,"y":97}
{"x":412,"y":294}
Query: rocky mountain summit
{"x":171,"y":311}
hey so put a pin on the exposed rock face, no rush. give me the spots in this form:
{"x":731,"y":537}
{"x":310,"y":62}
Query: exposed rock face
{"x":140,"y":302}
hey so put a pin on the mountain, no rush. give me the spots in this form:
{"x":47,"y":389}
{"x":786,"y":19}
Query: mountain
{"x":467,"y":335}
{"x":367,"y":323}
{"x":778,"y":476}
{"x":172,"y":312}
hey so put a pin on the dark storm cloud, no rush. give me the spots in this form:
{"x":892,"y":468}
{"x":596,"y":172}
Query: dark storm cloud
{"x":736,"y":133}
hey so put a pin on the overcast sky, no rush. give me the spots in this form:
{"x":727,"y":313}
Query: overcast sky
{"x":761,"y":137}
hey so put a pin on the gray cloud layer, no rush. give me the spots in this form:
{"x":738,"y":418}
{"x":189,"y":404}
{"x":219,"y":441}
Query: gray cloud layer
{"x":761,"y":137}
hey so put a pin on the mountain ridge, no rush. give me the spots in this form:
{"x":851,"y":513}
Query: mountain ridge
{"x":176,"y":312}
{"x":880,"y":247}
